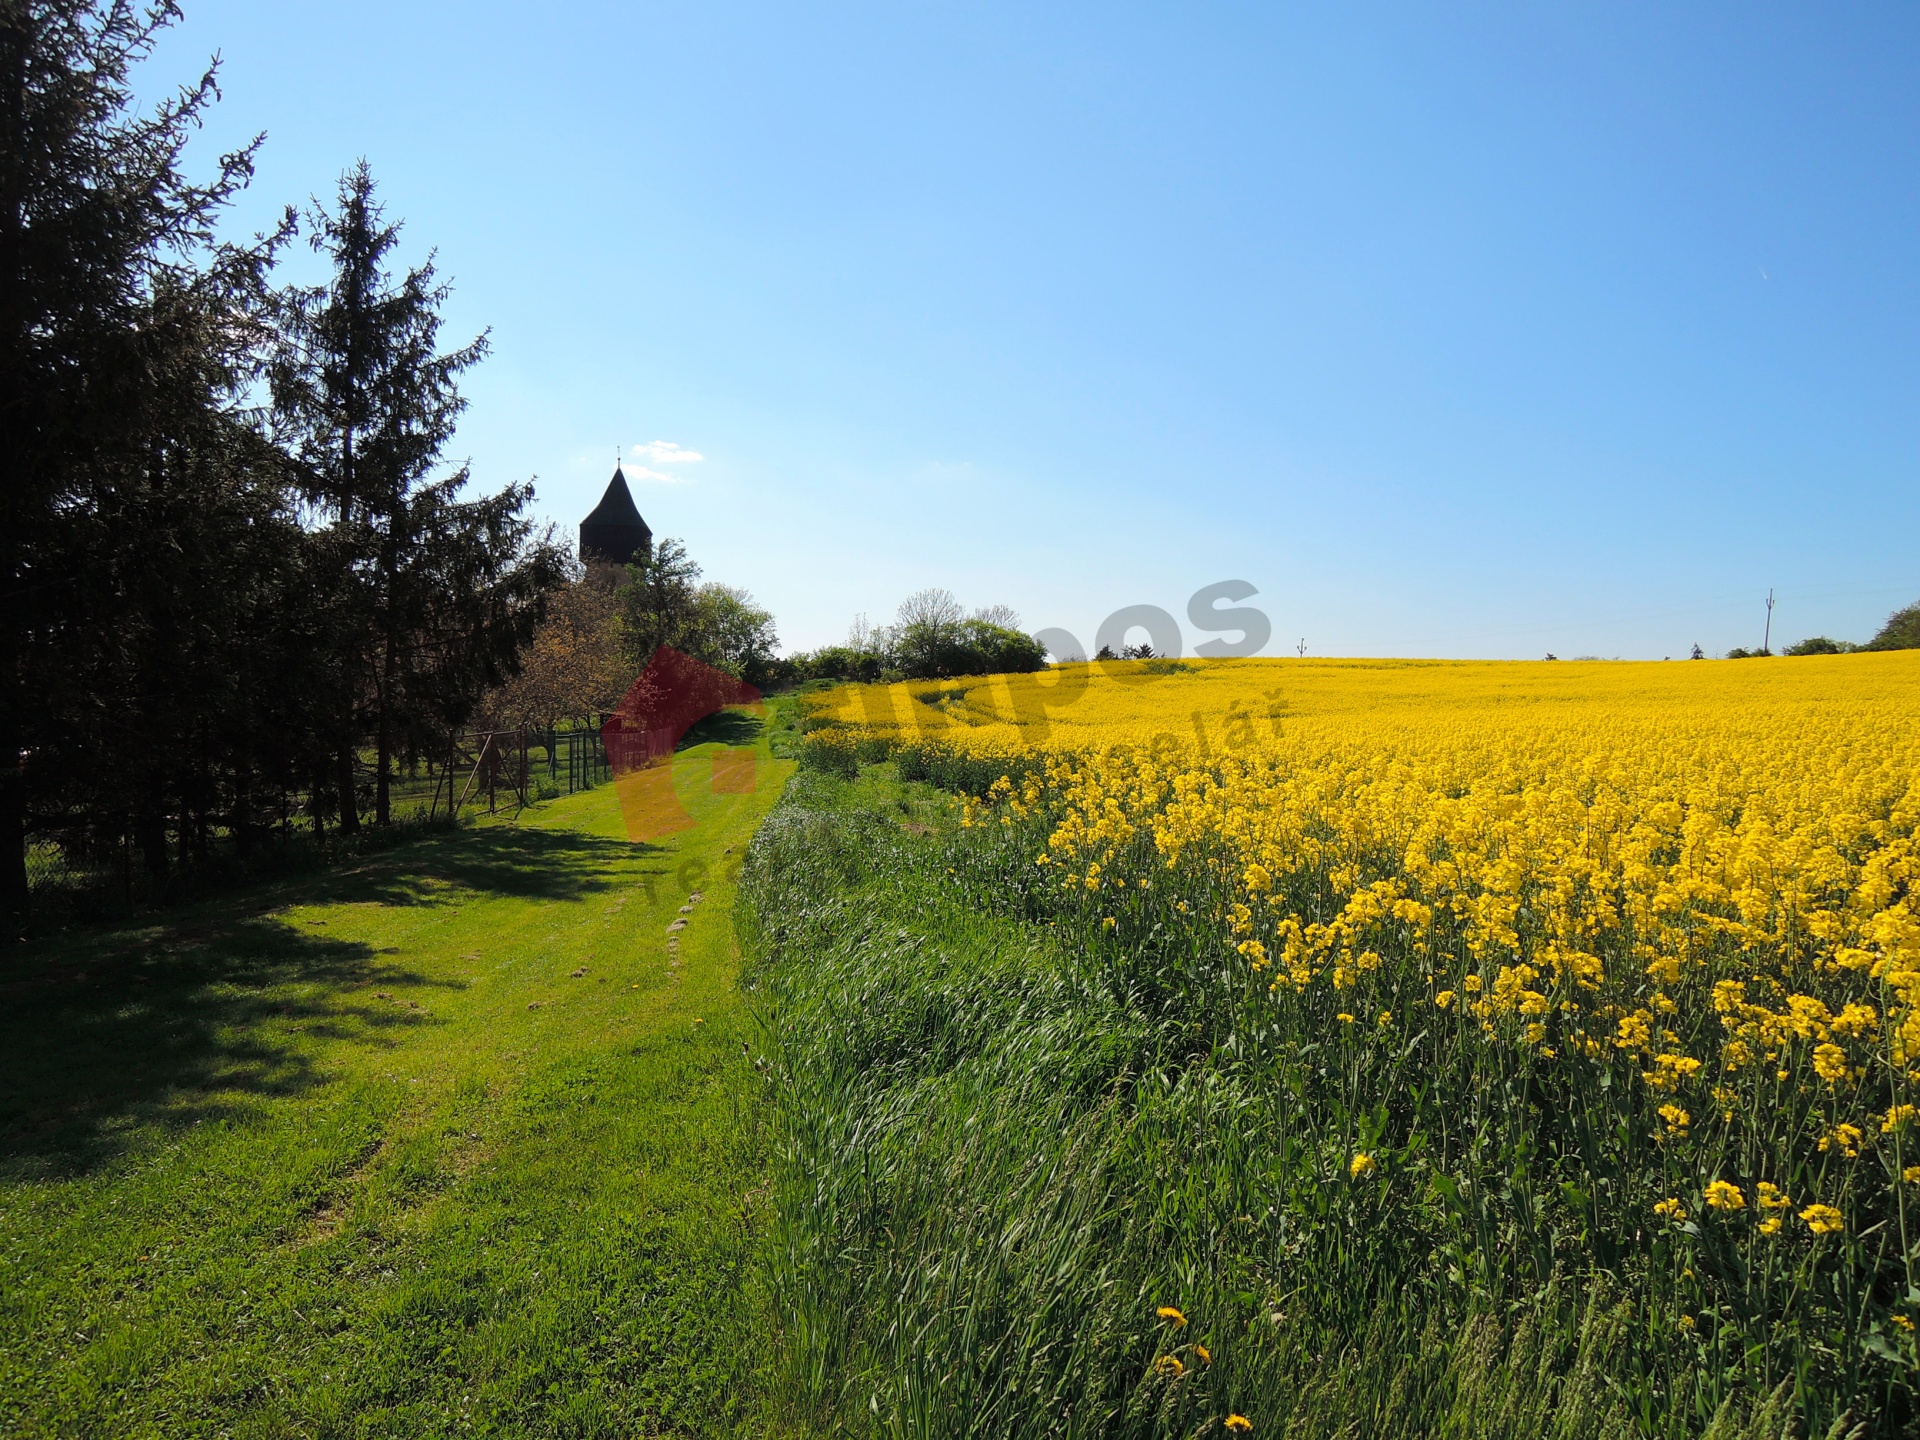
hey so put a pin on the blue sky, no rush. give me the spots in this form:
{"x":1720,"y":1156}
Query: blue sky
{"x":1475,"y":330}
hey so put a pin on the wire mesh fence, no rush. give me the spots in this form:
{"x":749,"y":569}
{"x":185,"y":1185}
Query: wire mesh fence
{"x":75,"y":864}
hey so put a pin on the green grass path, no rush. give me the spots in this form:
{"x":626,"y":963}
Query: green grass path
{"x":360,"y":1153}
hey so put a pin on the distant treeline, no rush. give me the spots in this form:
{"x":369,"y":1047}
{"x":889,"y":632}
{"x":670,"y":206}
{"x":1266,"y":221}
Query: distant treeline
{"x":233,"y":561}
{"x":1901,"y":632}
{"x":933,"y":637}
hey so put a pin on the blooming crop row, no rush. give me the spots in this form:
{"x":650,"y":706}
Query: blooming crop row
{"x":1620,"y":963}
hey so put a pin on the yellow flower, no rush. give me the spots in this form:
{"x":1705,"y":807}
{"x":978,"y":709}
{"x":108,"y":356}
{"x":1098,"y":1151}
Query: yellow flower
{"x":1722,"y":1195}
{"x":1239,"y":1424}
{"x":1344,"y":1018}
{"x":1911,"y":1174}
{"x":1830,"y":1062}
{"x":1636,"y":1031}
{"x":1672,"y":1209}
{"x":1206,"y":1355}
{"x":1669,"y":1071}
{"x":1109,"y":923}
{"x":1386,"y":1018}
{"x":1443,"y":999}
{"x":1904,"y":1323}
{"x":1170,"y":1366}
{"x":1361,"y":1165}
{"x":1896,"y":1117}
{"x":1771,"y":1197}
{"x":1172,"y":1316}
{"x":1845,"y":1138}
{"x":1823,"y":1219}
{"x":1676,"y":1118}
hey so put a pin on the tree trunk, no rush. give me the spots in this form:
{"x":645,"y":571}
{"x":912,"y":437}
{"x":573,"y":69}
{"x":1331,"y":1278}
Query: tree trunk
{"x":13,"y":829}
{"x":383,"y":746}
{"x":349,"y":802}
{"x":382,"y":807}
{"x":150,"y":833}
{"x":241,"y":821}
{"x":15,"y":507}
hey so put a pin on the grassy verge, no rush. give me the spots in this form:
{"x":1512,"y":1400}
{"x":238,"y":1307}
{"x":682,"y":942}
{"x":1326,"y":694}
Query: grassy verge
{"x":448,"y":1142}
{"x":1025,"y":1187}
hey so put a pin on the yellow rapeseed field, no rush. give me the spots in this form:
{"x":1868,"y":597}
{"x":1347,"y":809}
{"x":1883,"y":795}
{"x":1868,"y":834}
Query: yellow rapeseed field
{"x":1680,"y":894}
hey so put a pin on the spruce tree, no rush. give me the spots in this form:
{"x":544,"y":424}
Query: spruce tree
{"x":432,"y":596}
{"x":97,"y":219}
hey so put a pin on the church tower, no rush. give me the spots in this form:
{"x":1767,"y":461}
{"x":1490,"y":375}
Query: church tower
{"x":614,"y":533}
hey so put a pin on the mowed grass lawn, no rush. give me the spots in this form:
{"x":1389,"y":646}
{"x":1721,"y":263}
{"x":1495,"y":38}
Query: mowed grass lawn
{"x":360,"y":1154}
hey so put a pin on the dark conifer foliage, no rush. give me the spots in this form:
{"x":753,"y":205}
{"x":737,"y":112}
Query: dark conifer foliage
{"x":104,"y":248}
{"x":434,"y":595}
{"x":207,"y":609}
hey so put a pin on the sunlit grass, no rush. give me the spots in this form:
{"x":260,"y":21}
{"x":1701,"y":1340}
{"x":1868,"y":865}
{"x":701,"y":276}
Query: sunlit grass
{"x":1058,"y":1162}
{"x":447,"y":1142}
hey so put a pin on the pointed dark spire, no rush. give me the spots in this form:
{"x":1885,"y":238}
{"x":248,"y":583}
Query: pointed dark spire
{"x":614,"y":533}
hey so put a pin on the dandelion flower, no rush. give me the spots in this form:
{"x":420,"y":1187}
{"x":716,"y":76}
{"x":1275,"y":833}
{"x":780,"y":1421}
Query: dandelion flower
{"x":1206,"y":1355}
{"x":1239,"y":1424}
{"x":1170,"y":1366}
{"x":1172,"y":1316}
{"x":1362,"y":1165}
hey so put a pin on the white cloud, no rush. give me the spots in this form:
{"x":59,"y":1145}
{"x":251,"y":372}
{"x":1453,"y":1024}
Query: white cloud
{"x":666,"y":452}
{"x":642,"y":472}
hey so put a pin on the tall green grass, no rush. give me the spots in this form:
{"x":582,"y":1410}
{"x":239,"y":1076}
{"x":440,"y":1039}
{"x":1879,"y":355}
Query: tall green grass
{"x":1006,"y":1149}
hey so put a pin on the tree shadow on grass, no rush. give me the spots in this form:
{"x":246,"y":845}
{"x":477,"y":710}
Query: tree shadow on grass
{"x":201,"y":1013}
{"x":170,"y":1026}
{"x":728,"y":727}
{"x":527,"y":862}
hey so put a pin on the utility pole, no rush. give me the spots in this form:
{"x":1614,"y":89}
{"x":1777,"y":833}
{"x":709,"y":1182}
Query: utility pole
{"x":1303,"y":648}
{"x":1766,"y":645}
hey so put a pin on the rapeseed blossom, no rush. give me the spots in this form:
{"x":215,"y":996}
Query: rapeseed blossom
{"x":1688,"y":894}
{"x":1823,"y":1219}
